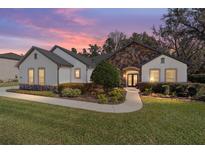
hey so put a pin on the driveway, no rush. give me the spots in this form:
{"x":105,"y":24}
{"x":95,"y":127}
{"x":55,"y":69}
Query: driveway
{"x":131,"y":104}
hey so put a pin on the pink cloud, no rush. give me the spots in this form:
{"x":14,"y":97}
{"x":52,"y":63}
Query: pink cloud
{"x":76,"y":40}
{"x":74,"y":16}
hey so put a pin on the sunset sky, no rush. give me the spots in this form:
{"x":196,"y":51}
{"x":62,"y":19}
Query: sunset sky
{"x":22,"y":28}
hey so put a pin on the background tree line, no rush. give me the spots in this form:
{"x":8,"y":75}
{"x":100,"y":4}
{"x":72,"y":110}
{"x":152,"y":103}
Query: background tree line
{"x":182,"y":34}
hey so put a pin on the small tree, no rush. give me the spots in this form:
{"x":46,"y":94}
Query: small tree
{"x":107,"y":75}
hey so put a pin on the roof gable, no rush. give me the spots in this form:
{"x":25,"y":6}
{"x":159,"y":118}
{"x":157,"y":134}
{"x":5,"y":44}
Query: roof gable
{"x":167,"y":55}
{"x":87,"y":61}
{"x":52,"y":56}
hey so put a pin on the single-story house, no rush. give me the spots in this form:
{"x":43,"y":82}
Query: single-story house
{"x":136,"y":62}
{"x":8,"y":70}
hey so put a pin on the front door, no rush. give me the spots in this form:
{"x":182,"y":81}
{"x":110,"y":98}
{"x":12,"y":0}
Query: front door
{"x":131,"y":80}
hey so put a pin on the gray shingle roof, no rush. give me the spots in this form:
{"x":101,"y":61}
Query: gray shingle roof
{"x":97,"y":59}
{"x":11,"y":56}
{"x":52,"y":56}
{"x":87,"y":61}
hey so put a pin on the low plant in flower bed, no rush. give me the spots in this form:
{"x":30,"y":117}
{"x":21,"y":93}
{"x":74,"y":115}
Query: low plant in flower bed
{"x":37,"y":87}
{"x":115,"y":96}
{"x":193,"y":90}
{"x":102,"y":98}
{"x":69,"y":92}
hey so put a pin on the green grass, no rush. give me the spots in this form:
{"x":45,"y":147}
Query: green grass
{"x":8,"y":84}
{"x":31,"y":92}
{"x":161,"y":121}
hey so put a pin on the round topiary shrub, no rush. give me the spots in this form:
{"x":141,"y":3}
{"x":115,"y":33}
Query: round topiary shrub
{"x":107,"y":75}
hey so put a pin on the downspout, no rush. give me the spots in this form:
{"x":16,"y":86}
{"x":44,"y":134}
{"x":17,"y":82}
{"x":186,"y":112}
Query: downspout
{"x":58,"y":76}
{"x":86,"y":74}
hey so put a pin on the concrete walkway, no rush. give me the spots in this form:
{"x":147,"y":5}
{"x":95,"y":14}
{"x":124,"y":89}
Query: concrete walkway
{"x":132,"y":103}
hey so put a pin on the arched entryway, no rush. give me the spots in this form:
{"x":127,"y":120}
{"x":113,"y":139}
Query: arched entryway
{"x":131,"y":76}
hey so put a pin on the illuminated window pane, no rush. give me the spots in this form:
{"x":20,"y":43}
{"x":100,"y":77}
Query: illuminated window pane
{"x":41,"y":76}
{"x":129,"y":80}
{"x":31,"y":76}
{"x":77,"y":73}
{"x":170,"y":75}
{"x":154,"y":75}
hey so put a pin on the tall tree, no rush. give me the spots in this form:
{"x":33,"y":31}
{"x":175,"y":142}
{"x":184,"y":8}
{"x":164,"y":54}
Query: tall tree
{"x":175,"y":35}
{"x":84,"y":53}
{"x":94,"y":50}
{"x":114,"y":41}
{"x":193,"y":20}
{"x":74,"y":50}
{"x":146,"y":39}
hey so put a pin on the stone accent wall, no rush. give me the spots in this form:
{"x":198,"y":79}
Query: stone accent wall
{"x":133,"y":55}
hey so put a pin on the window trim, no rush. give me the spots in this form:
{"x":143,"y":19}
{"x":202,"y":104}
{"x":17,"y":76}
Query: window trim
{"x":44,"y":76}
{"x":35,"y":56}
{"x":31,"y":68}
{"x":165,"y":74}
{"x":163,"y":59}
{"x":79,"y":73}
{"x":155,"y":69}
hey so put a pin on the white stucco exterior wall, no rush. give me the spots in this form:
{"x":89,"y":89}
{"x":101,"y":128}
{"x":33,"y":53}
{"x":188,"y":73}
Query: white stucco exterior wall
{"x":169,"y":63}
{"x":8,"y":70}
{"x":76,"y":63}
{"x":50,"y":69}
{"x":64,"y":75}
{"x":89,"y":73}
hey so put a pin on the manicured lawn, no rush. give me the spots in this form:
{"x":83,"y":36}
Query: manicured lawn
{"x":161,"y":121}
{"x":8,"y":84}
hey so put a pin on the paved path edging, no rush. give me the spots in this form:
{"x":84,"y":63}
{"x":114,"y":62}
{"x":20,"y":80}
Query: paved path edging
{"x":131,"y":104}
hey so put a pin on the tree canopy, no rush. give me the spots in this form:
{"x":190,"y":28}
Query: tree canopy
{"x":177,"y":33}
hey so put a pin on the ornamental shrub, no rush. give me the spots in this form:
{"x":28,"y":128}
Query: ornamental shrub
{"x":117,"y":95}
{"x":68,"y":92}
{"x":107,"y":75}
{"x":192,"y":91}
{"x":166,"y":89}
{"x":102,"y":98}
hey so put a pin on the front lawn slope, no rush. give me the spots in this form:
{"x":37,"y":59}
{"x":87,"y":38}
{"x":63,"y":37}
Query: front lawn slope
{"x":161,"y":121}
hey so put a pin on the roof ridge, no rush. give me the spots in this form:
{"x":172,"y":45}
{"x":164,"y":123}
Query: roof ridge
{"x":83,"y":59}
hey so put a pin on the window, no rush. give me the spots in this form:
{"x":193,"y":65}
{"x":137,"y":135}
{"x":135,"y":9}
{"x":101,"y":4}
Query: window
{"x":170,"y":75}
{"x":35,"y":56}
{"x":41,"y":76}
{"x":162,"y":60}
{"x":30,"y":76}
{"x":77,"y":73}
{"x":154,"y":75}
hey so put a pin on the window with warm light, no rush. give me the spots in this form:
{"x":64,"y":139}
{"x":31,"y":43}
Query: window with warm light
{"x":41,"y":76}
{"x":154,"y":75}
{"x":30,"y":76}
{"x":77,"y":73}
{"x":170,"y":75}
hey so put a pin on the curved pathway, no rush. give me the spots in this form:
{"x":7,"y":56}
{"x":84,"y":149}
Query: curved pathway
{"x":131,"y":104}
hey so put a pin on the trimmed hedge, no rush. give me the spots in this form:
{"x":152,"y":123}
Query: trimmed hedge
{"x":37,"y":87}
{"x":198,"y":78}
{"x":194,"y":90}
